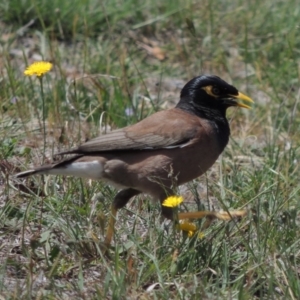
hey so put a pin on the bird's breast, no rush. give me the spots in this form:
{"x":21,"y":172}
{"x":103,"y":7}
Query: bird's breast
{"x":196,"y":159}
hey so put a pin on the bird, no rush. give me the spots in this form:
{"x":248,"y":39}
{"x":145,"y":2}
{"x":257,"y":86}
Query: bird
{"x":159,"y":153}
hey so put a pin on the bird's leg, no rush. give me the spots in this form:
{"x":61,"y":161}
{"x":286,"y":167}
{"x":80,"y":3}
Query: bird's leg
{"x":120,"y":200}
{"x":211,"y":215}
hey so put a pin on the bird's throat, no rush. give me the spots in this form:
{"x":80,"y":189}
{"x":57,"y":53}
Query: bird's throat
{"x":216,"y":117}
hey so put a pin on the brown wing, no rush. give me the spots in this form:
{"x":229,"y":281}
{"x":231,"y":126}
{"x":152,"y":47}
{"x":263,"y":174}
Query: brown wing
{"x":165,"y":129}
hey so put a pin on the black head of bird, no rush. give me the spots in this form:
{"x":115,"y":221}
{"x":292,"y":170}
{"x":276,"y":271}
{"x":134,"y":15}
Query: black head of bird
{"x":210,"y":92}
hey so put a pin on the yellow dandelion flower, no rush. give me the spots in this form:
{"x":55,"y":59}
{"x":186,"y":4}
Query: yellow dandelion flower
{"x":172,"y":201}
{"x":187,"y":226}
{"x":190,"y":228}
{"x":38,"y":68}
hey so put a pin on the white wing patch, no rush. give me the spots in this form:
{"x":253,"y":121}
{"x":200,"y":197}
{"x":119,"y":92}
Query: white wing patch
{"x":83,"y":169}
{"x":169,"y":147}
{"x":178,"y":145}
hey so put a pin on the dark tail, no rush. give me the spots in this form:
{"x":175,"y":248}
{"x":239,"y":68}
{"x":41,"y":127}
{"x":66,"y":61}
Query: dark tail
{"x":46,"y":169}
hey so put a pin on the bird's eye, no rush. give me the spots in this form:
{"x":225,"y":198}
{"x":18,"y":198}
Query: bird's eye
{"x":215,"y":90}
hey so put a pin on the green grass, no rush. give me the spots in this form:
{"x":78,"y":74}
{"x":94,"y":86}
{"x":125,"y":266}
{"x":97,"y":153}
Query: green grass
{"x":51,"y":227}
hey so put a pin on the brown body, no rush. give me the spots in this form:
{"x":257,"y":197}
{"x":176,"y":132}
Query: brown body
{"x":157,"y":154}
{"x":153,"y":171}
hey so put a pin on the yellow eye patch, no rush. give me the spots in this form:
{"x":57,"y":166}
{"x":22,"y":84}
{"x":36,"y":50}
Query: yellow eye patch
{"x":208,"y":89}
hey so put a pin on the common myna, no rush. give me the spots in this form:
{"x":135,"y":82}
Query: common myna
{"x":164,"y":150}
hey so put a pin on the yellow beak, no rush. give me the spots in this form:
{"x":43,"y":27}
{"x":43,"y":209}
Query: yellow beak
{"x":242,"y":97}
